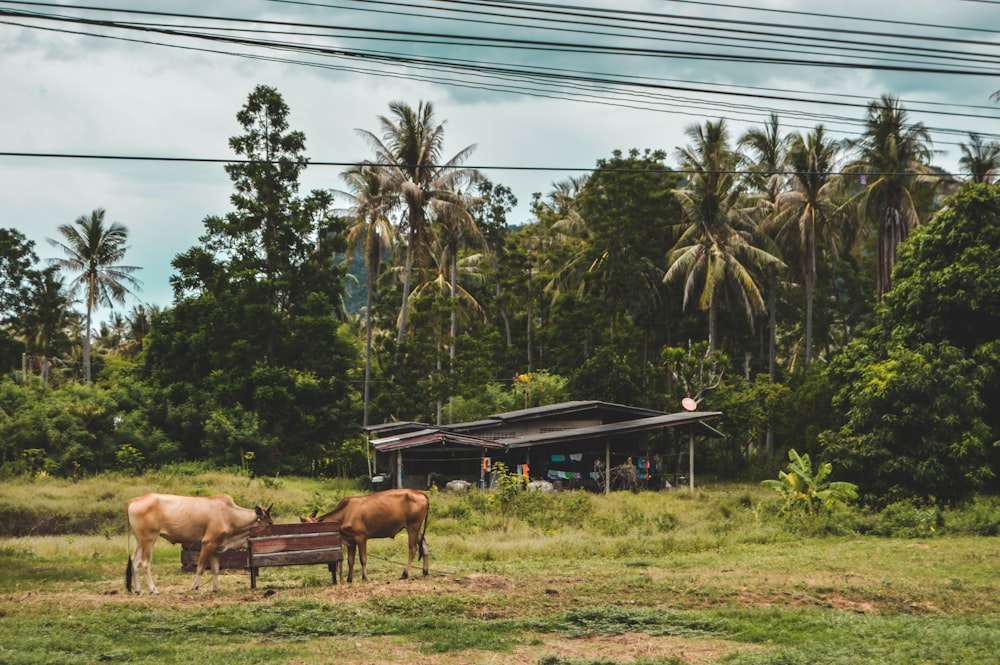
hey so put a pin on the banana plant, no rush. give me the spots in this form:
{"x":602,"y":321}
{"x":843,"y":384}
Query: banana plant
{"x":806,"y":490}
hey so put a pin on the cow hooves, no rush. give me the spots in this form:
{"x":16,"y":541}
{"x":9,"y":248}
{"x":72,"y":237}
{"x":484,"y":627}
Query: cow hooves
{"x":405,"y":576}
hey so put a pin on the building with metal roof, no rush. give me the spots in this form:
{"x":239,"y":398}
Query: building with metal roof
{"x":572,"y":444}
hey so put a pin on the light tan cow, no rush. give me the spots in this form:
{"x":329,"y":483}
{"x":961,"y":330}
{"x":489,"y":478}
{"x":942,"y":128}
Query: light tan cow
{"x":381,"y":515}
{"x":215,"y":522}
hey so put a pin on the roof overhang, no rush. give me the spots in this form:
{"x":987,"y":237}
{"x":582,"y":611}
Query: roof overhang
{"x":431,"y":437}
{"x":687,"y":418}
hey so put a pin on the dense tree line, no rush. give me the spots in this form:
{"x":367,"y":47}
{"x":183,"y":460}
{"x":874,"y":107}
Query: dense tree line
{"x":835,"y":297}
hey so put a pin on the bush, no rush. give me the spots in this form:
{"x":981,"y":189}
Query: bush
{"x":907,"y":519}
{"x":981,"y":517}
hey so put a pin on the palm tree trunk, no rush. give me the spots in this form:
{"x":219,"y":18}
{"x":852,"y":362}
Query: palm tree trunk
{"x":810,"y":279}
{"x":713,"y":309}
{"x":86,"y":340}
{"x":407,"y":274}
{"x":892,"y":231}
{"x":530,"y":316}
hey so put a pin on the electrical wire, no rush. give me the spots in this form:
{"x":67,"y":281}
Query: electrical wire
{"x":593,"y":87}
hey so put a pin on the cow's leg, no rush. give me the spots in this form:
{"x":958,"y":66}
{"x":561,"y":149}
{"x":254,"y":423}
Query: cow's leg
{"x":412,"y":553}
{"x":204,"y":561}
{"x":425,"y":550}
{"x":215,"y":572}
{"x":145,"y":564}
{"x":363,"y":557}
{"x":351,"y":548}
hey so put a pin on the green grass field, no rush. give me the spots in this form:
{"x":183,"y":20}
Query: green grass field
{"x":660,"y":577}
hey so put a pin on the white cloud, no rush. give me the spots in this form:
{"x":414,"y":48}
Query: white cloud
{"x":71,"y":94}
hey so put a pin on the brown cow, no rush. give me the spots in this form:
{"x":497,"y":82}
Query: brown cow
{"x":214,"y":521}
{"x":381,"y":515}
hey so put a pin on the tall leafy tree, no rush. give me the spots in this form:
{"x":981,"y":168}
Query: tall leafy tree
{"x":251,"y":357}
{"x":719,"y":247}
{"x":629,"y":209}
{"x":93,"y":252}
{"x":807,"y":212}
{"x":409,"y":154}
{"x":893,"y":156}
{"x":914,"y":389}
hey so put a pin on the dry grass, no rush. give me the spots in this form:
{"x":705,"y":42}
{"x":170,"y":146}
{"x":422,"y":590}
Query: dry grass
{"x":649,"y":578}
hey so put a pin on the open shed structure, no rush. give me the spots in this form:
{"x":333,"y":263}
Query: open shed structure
{"x":573,"y":444}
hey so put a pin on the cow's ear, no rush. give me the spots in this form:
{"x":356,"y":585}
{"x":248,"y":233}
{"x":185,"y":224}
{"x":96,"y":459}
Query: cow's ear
{"x":313,"y":513}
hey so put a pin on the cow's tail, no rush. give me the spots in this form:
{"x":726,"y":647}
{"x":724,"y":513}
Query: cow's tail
{"x":424,"y":549}
{"x":128,"y":552}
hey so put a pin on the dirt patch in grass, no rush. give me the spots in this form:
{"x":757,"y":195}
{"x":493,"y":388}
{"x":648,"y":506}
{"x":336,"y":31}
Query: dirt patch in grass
{"x":625,"y":648}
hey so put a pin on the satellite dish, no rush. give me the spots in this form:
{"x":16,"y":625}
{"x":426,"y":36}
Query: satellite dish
{"x":689,"y":404}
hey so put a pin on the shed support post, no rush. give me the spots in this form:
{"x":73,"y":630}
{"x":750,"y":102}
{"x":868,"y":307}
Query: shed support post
{"x":607,"y":466}
{"x":691,"y":460}
{"x":399,"y":468}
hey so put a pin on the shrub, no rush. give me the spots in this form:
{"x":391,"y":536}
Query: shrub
{"x":806,"y":490}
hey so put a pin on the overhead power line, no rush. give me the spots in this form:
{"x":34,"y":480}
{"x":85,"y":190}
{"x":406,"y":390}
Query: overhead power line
{"x":619,"y":34}
{"x":479,"y":167}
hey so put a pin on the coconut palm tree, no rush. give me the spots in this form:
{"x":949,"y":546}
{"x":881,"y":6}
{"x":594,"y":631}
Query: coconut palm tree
{"x":893,"y":158}
{"x":980,"y":158}
{"x":372,"y":233}
{"x":719,"y":246}
{"x":409,"y":158}
{"x":768,"y":151}
{"x":805,"y":213}
{"x":456,"y":228}
{"x":93,"y":252}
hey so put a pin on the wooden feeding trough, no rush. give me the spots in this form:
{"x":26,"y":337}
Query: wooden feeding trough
{"x":279,"y":545}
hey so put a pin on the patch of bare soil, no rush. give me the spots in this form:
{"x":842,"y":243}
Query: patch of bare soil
{"x":620,"y":648}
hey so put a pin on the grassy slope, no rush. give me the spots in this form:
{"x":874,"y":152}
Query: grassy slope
{"x":650,"y":578}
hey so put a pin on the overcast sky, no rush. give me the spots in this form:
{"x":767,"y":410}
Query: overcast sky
{"x":81,"y":89}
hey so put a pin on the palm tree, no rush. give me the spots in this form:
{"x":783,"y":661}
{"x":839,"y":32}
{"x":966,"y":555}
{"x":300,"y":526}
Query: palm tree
{"x":893,"y":157}
{"x":719,"y":246}
{"x":769,"y":150}
{"x":409,"y":159}
{"x":93,"y":251}
{"x":371,"y":232}
{"x":980,"y":158}
{"x":805,"y":212}
{"x":455,"y":226}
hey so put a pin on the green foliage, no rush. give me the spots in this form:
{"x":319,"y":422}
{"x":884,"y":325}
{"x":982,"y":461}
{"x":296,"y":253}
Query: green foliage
{"x":807,"y":490}
{"x":610,"y":376}
{"x":913,"y":427}
{"x":251,"y":356}
{"x":913,"y":389}
{"x":507,"y":486}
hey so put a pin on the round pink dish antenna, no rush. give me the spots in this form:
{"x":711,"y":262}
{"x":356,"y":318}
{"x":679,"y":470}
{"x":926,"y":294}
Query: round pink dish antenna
{"x":689,"y":404}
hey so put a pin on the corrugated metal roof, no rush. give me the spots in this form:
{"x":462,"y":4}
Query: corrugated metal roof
{"x":428,"y":437}
{"x":562,"y":408}
{"x":401,"y":426}
{"x":623,"y":427}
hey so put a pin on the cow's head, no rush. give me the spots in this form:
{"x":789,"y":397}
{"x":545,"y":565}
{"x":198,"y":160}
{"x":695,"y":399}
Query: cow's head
{"x":264,"y":514}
